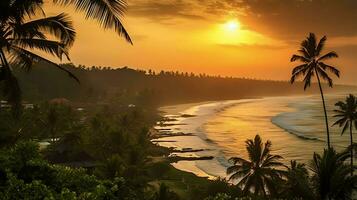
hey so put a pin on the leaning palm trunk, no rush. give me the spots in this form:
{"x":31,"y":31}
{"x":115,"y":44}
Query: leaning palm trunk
{"x":10,"y":87}
{"x":325,"y":112}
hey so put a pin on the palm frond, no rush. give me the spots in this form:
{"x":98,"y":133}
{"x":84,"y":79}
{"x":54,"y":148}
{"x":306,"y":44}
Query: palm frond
{"x":21,"y":53}
{"x":299,"y":58}
{"x":107,"y":12}
{"x":325,"y":76}
{"x":266,"y":150}
{"x":332,"y":69}
{"x":236,"y":160}
{"x":310,"y":44}
{"x":52,"y":47}
{"x":345,"y":127}
{"x":293,"y":78}
{"x":19,"y":9}
{"x":321,"y":45}
{"x":59,"y":26}
{"x":299,"y":69}
{"x":272,"y":158}
{"x":304,"y":52}
{"x":233,"y":168}
{"x":307,"y":79}
{"x":329,"y":55}
{"x":340,"y":121}
{"x":338,"y":115}
{"x":242,"y":181}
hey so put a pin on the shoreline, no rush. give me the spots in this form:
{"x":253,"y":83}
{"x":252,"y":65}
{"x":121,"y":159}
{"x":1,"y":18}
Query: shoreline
{"x":185,"y":158}
{"x":180,"y":132}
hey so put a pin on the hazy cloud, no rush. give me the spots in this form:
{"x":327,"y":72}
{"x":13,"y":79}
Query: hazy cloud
{"x":252,"y":46}
{"x":163,"y":10}
{"x":283,"y":19}
{"x":292,"y":18}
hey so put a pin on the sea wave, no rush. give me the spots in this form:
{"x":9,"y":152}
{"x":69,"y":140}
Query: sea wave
{"x":280,"y":120}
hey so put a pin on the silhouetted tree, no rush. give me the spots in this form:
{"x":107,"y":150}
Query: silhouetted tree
{"x":297,"y":184}
{"x":19,"y":36}
{"x":259,"y":173}
{"x":310,"y":54}
{"x":331,"y":176}
{"x":346,"y":118}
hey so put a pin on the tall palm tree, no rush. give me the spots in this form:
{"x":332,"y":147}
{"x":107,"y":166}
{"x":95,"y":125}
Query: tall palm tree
{"x":313,"y":64}
{"x":331,"y":176}
{"x":259,"y":173}
{"x":346,"y":118}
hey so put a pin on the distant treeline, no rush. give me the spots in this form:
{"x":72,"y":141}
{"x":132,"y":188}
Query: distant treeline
{"x":126,"y":85}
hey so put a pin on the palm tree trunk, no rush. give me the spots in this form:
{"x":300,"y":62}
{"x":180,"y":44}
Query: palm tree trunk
{"x":323,"y":103}
{"x":351,"y":138}
{"x":4,"y":63}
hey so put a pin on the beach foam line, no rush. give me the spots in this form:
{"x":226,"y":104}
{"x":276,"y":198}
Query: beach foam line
{"x":278,"y":121}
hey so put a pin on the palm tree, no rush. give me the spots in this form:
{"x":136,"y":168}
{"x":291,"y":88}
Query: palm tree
{"x":107,"y":13}
{"x":259,"y":173}
{"x":297,"y":184}
{"x":19,"y":34}
{"x":331,"y":176}
{"x":347,"y":117}
{"x":313,"y":65}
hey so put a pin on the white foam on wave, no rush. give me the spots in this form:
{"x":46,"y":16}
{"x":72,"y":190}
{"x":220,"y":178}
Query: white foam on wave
{"x":195,"y":124}
{"x":279,"y":117}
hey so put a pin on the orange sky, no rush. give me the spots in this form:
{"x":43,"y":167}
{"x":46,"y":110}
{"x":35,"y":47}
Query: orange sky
{"x":198,"y":36}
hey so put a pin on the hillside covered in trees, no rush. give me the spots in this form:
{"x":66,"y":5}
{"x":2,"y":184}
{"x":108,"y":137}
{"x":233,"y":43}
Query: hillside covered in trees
{"x":104,"y":84}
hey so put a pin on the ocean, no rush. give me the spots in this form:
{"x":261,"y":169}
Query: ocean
{"x":295,"y":126}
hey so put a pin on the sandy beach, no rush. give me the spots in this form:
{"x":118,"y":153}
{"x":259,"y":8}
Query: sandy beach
{"x":221,"y":128}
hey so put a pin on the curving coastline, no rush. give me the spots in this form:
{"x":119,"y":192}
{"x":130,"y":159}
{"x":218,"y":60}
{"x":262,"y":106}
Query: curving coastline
{"x":220,"y":129}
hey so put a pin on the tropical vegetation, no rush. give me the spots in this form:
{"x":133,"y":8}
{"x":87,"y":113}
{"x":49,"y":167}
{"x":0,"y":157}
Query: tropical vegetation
{"x":24,"y":27}
{"x":100,"y":148}
{"x":346,"y":115}
{"x":330,"y":176}
{"x":260,"y":173}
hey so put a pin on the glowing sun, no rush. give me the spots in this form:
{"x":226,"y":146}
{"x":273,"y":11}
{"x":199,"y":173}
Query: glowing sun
{"x":232,"y":25}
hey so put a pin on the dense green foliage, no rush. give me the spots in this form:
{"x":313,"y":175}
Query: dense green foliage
{"x":106,"y":153}
{"x":25,"y":175}
{"x":58,"y":152}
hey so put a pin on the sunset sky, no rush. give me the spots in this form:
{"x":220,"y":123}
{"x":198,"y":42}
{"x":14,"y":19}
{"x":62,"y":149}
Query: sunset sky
{"x":241,"y":38}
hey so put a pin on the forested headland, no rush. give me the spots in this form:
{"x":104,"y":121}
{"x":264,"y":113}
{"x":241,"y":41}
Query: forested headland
{"x":130,"y":86}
